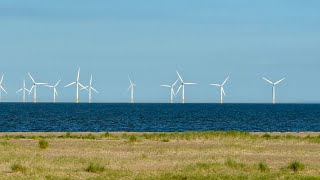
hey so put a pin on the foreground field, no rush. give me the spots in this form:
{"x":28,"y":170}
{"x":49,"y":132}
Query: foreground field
{"x":190,"y":155}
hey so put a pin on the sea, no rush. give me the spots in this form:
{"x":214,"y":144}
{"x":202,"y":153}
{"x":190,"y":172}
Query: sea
{"x":114,"y":117}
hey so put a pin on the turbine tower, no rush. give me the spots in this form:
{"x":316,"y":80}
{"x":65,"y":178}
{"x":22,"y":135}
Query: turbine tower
{"x":222,"y":92}
{"x":1,"y":88}
{"x":172,"y":94}
{"x":77,"y":86}
{"x":273,"y":88}
{"x":34,"y":88}
{"x":90,"y":88}
{"x":55,"y":92}
{"x":23,"y":89}
{"x":182,"y":86}
{"x":131,"y":88}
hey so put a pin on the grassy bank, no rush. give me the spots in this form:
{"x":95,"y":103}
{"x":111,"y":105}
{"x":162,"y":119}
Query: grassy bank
{"x":188,"y":155}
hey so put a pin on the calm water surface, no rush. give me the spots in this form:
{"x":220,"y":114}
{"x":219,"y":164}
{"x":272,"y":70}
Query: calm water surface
{"x":18,"y":117}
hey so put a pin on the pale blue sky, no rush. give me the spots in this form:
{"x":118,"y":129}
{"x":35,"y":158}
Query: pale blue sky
{"x":205,"y":40}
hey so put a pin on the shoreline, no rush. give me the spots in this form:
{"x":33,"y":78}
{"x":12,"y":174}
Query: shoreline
{"x":300,"y":134}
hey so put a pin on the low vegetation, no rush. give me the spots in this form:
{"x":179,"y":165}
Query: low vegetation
{"x":296,"y":166}
{"x":17,"y":167}
{"x":43,"y":144}
{"x":95,"y":168}
{"x":189,"y":155}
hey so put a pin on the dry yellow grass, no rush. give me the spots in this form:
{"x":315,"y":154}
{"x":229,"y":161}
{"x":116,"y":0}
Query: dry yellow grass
{"x":159,"y":156}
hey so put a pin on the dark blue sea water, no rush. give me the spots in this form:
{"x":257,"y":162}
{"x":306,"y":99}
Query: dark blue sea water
{"x":18,"y":117}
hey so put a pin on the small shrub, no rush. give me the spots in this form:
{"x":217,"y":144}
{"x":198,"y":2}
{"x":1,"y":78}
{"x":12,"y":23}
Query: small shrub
{"x":296,"y":166}
{"x":89,"y":136}
{"x":68,"y":135}
{"x":165,"y":140}
{"x":267,"y":136}
{"x":234,"y":164}
{"x":263,"y":167}
{"x":106,"y":134}
{"x":17,"y":167}
{"x":95,"y":168}
{"x":133,"y":138}
{"x":43,"y":144}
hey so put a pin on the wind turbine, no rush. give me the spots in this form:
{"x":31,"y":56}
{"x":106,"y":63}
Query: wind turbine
{"x":273,"y":88}
{"x":55,"y":92}
{"x":34,"y":88}
{"x":77,"y":86}
{"x":182,"y":86}
{"x":23,"y":89}
{"x":131,"y":87}
{"x":90,"y":88}
{"x":1,"y":87}
{"x":172,"y":94}
{"x":222,"y":92}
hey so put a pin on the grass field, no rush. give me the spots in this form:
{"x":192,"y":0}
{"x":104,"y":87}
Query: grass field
{"x":189,"y":155}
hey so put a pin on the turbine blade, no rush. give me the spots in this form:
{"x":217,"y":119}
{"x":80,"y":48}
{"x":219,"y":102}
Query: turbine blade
{"x":215,"y":85}
{"x":189,"y":83}
{"x":225,"y":81}
{"x":49,"y":86}
{"x":279,"y":81}
{"x":130,"y":80}
{"x":166,"y":86}
{"x":41,"y":83}
{"x":1,"y":78}
{"x":86,"y":88}
{"x":90,"y":80}
{"x":128,"y":89}
{"x":224,"y":93}
{"x":94,"y":90}
{"x":78,"y":77}
{"x":31,"y":78}
{"x":179,"y":77}
{"x":172,"y":91}
{"x":179,"y":89}
{"x":267,"y":80}
{"x":55,"y":91}
{"x":19,"y":90}
{"x":31,"y":89}
{"x":3,"y":89}
{"x":57,"y":83}
{"x":175,"y":82}
{"x":81,"y":85}
{"x":70,"y":84}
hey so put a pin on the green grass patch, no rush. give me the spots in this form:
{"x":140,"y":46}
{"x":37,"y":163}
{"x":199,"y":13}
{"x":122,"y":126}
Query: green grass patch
{"x":133,"y":138}
{"x":296,"y":166}
{"x":263,"y":167}
{"x":95,"y":168}
{"x":43,"y":144}
{"x":18,"y":167}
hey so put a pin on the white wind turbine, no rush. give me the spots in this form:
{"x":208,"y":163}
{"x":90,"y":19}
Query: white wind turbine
{"x":23,"y":89}
{"x":172,"y":94}
{"x":182,"y":86}
{"x":131,"y":88}
{"x":1,"y":87}
{"x":55,"y":92}
{"x":273,"y":88}
{"x":90,"y":88}
{"x":222,"y":92}
{"x":34,"y":88}
{"x":77,"y":86}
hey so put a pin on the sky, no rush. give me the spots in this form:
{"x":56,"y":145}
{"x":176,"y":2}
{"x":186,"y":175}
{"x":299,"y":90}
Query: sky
{"x":206,"y":41}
